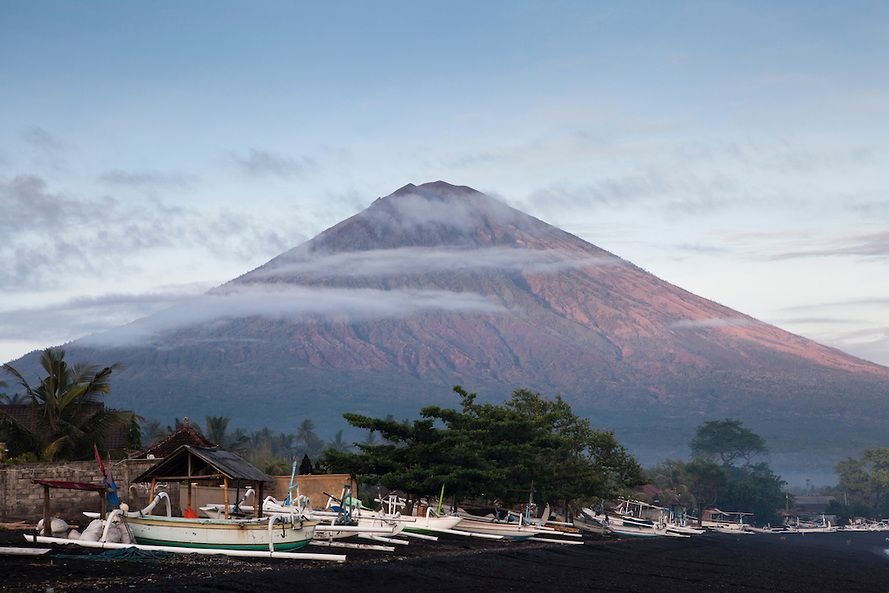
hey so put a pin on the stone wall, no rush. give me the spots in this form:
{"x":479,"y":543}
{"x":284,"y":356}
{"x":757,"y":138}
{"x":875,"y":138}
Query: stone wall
{"x":21,"y":500}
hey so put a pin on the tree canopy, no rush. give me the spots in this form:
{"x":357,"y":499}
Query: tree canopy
{"x":491,"y":451}
{"x":68,"y":417}
{"x":727,"y":441}
{"x":711,"y":477}
{"x":863,"y":484}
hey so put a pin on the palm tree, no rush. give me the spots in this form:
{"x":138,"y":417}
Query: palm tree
{"x":153,"y":431}
{"x":217,"y":431}
{"x":339,"y":442}
{"x":16,"y":399}
{"x":69,"y":420}
{"x":308,"y":441}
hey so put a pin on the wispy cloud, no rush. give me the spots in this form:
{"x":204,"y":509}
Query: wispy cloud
{"x":146,"y":179}
{"x":76,"y":317}
{"x":300,"y":304}
{"x":43,"y":140}
{"x":868,"y":245}
{"x":423,"y":260}
{"x":855,"y":302}
{"x":262,"y":163}
{"x":47,"y":149}
{"x":671,"y":192}
{"x":711,"y":322}
{"x":67,"y":235}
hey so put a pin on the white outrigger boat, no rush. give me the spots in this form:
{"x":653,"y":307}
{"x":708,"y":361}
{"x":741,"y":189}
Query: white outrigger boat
{"x":726,"y":521}
{"x":261,"y":536}
{"x":633,"y":518}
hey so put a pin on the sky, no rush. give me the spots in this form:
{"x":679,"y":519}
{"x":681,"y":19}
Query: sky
{"x":150,"y":151}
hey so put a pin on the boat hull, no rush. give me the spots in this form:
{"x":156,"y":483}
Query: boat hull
{"x":233,"y":534}
{"x":505,"y":530}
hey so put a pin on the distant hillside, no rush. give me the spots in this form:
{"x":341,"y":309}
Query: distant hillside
{"x":436,"y":285}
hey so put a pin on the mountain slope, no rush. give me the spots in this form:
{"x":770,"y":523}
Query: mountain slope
{"x":436,"y":285}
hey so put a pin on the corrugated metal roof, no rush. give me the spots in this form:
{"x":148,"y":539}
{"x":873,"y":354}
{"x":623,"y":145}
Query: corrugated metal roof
{"x":205,"y":462}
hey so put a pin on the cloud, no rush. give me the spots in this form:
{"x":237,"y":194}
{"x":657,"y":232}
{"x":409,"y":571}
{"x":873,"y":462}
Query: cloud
{"x":297,"y":304}
{"x":426,"y":260}
{"x":672,"y":192}
{"x":262,"y":163}
{"x":711,"y":322}
{"x":871,"y":245}
{"x":47,"y":150}
{"x":59,"y":322}
{"x":703,"y":249}
{"x":869,"y":301}
{"x":54,"y":236}
{"x":42,"y":140}
{"x":146,"y":178}
{"x":814,"y":321}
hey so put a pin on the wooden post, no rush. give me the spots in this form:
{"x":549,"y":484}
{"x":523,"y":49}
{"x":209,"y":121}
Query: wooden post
{"x":258,"y":498}
{"x":189,"y":482}
{"x":225,"y":495}
{"x":103,"y":502}
{"x":47,"y":528}
{"x":151,"y":489}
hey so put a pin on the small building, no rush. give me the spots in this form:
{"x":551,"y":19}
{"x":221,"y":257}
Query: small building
{"x":811,"y":506}
{"x":184,"y":435}
{"x":201,"y":464}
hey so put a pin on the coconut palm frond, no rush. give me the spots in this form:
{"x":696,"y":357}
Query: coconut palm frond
{"x":68,"y":421}
{"x":20,"y":379}
{"x":54,"y":448}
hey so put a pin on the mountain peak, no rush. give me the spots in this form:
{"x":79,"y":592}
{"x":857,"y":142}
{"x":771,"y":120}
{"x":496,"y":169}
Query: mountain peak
{"x":438,"y":189}
{"x":433,"y":214}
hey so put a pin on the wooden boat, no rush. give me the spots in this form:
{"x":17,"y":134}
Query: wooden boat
{"x":432,"y":524}
{"x":264,"y":533}
{"x":506,"y":530}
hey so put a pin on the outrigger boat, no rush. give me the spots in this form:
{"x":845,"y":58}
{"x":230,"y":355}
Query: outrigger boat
{"x":264,"y":536}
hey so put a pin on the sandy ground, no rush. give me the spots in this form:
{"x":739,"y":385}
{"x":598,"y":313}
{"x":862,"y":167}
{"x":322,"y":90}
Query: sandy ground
{"x":837,"y":562}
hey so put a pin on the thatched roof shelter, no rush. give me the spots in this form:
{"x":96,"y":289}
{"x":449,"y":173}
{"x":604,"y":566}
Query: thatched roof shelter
{"x":192,"y":464}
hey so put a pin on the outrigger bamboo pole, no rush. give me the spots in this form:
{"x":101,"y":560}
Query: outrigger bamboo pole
{"x":178,"y":550}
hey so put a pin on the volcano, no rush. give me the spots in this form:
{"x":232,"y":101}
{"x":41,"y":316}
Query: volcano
{"x":437,"y":285}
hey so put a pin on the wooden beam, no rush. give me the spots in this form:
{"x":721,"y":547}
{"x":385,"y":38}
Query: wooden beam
{"x":225,"y":496}
{"x":187,"y":478}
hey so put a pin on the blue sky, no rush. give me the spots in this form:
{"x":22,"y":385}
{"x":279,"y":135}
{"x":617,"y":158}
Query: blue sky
{"x":150,"y":150}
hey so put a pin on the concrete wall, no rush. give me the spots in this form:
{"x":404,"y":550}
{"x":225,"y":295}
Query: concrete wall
{"x":20,"y":500}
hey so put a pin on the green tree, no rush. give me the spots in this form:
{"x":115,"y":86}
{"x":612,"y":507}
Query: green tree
{"x":68,"y":422}
{"x":339,"y":442}
{"x":756,"y":488}
{"x":706,"y":480}
{"x":727,"y":441}
{"x":864,"y":483}
{"x":153,"y":431}
{"x":492,"y":451}
{"x":711,"y":478}
{"x":217,"y":431}
{"x":307,"y":441}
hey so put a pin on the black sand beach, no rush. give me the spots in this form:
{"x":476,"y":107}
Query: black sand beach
{"x":795,"y":563}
